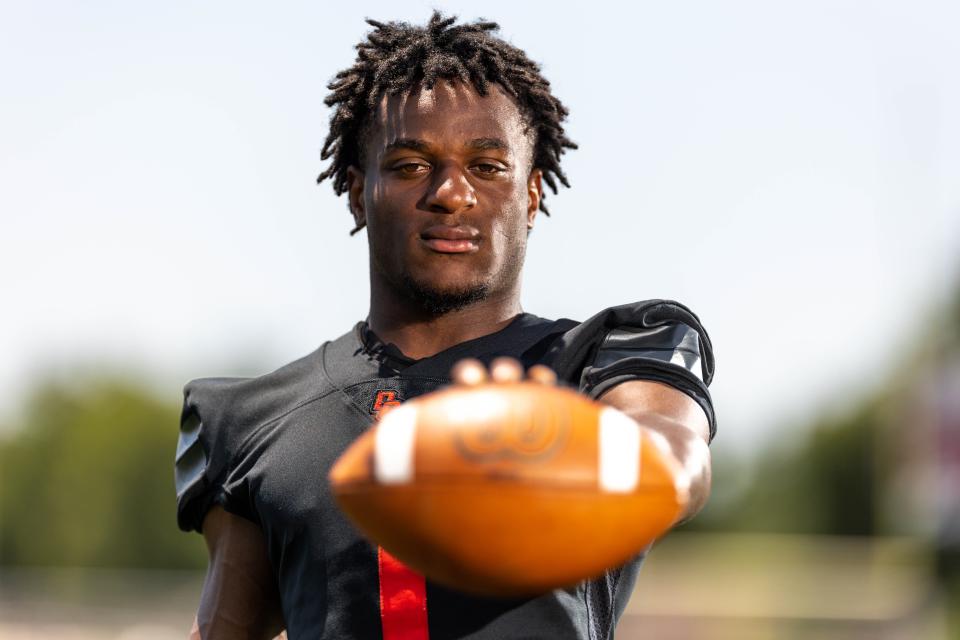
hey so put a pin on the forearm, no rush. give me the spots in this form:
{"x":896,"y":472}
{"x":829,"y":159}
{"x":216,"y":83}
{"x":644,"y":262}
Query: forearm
{"x":680,"y":424}
{"x":689,"y":449}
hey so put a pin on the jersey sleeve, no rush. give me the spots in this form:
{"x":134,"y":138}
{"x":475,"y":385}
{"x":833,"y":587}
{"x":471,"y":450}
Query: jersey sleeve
{"x":207,"y":444}
{"x":658,"y":340}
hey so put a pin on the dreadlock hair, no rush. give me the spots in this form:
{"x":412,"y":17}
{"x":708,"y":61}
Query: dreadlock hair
{"x":397,"y":57}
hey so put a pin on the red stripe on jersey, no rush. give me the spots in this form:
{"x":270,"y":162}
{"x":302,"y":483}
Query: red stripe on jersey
{"x":403,"y":600}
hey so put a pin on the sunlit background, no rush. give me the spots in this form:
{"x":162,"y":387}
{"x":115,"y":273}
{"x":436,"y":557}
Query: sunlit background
{"x":790,"y":172}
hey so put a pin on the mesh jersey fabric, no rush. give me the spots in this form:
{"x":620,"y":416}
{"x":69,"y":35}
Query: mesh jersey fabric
{"x":262,"y":448}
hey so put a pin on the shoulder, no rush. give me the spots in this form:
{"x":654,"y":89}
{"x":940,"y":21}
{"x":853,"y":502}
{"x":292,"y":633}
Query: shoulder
{"x":651,"y":324}
{"x":659,"y":340}
{"x":221,"y":415}
{"x":255,"y":400}
{"x":259,"y":400}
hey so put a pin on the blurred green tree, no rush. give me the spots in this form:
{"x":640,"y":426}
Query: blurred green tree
{"x":834,"y":480}
{"x":826,"y":485}
{"x":86,"y":479}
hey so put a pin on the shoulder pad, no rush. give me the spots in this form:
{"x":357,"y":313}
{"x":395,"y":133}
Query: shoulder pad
{"x":673,"y":342}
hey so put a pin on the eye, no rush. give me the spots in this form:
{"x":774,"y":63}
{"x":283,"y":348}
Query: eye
{"x":411,"y":168}
{"x":488,"y":168}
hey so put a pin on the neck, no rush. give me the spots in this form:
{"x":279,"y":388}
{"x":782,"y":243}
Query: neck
{"x":420,"y":334}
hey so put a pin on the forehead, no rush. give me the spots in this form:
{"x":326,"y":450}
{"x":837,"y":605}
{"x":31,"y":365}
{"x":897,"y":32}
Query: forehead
{"x":449,"y":114}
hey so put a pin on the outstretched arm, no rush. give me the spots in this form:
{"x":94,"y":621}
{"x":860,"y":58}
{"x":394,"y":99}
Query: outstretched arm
{"x":682,"y":423}
{"x":240,"y":597}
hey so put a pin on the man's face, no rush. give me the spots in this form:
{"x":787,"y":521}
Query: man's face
{"x":447,"y":194}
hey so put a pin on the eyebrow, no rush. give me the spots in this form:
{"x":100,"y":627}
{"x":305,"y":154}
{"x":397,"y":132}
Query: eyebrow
{"x":487,"y":144}
{"x":414,"y":144}
{"x":477,"y":144}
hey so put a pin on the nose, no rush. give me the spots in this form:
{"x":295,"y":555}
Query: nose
{"x":450,"y":191}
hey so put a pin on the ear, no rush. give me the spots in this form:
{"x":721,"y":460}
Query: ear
{"x":355,"y":183}
{"x":534,"y":195}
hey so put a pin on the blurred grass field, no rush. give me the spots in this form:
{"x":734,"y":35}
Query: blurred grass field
{"x":694,"y":585}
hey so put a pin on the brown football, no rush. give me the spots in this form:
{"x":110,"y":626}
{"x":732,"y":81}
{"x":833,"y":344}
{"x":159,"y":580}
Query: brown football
{"x":509,"y":489}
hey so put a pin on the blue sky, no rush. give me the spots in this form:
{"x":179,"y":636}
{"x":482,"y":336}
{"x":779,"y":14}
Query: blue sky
{"x":790,"y":172}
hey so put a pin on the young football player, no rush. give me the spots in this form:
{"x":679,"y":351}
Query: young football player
{"x":442,"y":137}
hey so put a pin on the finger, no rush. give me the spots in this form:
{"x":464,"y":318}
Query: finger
{"x":384,"y":410}
{"x":542,"y":374}
{"x":469,"y":371}
{"x":506,"y":370}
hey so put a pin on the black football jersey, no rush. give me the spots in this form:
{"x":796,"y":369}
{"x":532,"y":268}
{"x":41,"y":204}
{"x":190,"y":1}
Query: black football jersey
{"x":262,"y":449}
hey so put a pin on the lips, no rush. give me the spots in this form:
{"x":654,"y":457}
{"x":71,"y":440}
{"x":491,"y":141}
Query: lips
{"x":444,"y":238}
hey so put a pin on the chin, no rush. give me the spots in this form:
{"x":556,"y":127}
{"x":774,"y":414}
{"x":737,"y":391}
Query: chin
{"x":441,"y":298}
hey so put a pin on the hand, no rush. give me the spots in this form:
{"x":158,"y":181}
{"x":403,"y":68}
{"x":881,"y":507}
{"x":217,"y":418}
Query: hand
{"x":471,"y":372}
